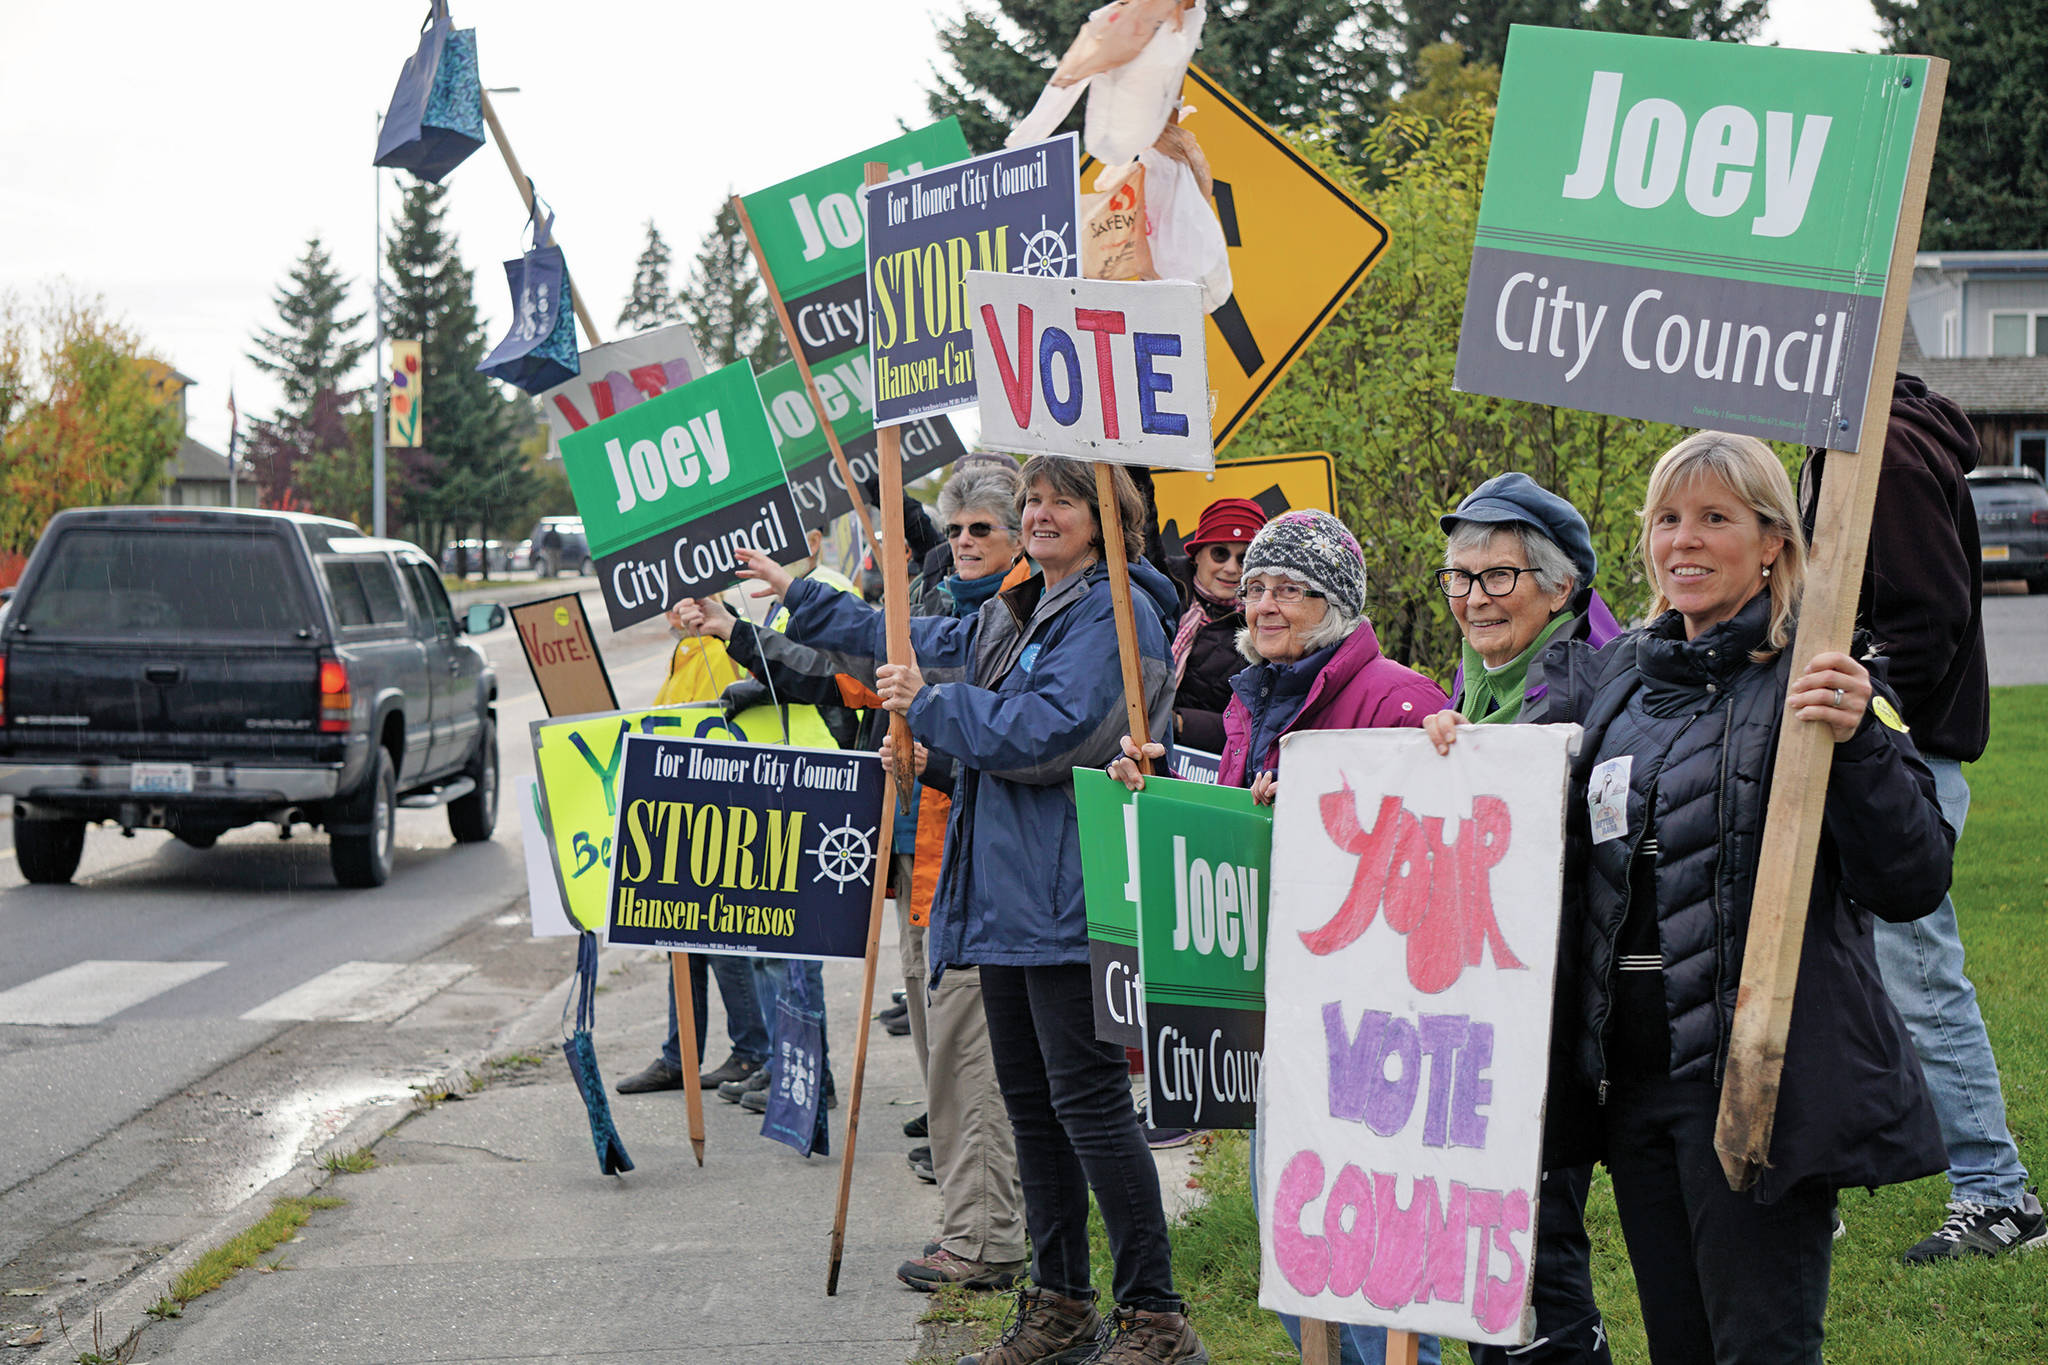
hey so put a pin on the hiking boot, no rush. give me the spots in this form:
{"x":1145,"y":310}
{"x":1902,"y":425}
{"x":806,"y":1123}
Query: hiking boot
{"x":1048,"y":1330}
{"x":657,"y":1075}
{"x":921,"y":1126}
{"x":733,"y":1068}
{"x":936,"y":1269}
{"x":1983,"y":1230}
{"x":1141,"y":1338}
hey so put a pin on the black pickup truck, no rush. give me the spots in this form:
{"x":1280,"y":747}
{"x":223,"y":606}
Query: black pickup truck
{"x":199,"y":669}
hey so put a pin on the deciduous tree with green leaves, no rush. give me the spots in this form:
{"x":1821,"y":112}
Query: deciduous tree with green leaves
{"x":1481,"y":27}
{"x":1374,"y":390}
{"x":85,"y":414}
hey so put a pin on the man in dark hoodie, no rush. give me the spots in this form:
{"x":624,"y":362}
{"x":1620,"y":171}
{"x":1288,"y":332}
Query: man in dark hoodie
{"x":1921,"y":602}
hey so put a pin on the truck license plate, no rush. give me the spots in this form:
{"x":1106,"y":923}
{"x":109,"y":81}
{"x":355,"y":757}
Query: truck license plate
{"x":173,"y":779}
{"x":1998,"y":552}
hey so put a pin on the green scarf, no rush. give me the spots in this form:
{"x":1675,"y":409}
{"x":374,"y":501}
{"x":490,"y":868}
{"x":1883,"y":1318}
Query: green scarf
{"x":1494,"y":696}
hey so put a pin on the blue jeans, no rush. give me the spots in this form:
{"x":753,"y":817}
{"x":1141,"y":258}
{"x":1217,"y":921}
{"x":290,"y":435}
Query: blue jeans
{"x":1922,"y":966}
{"x":1360,"y":1344}
{"x":768,"y":975}
{"x":745,"y":1020}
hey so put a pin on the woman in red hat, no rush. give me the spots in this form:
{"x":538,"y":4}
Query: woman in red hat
{"x":1205,"y":653}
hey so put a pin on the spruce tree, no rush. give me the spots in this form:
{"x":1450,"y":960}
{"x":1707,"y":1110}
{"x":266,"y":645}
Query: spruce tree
{"x":314,"y":348}
{"x":1480,"y":27}
{"x":724,"y":303}
{"x":652,"y":303}
{"x":467,"y":474}
{"x":1989,"y":189}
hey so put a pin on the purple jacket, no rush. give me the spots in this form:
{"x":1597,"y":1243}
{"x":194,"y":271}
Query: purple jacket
{"x":1359,"y":689}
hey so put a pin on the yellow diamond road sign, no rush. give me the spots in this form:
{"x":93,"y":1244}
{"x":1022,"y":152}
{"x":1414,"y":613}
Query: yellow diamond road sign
{"x":1298,"y":246}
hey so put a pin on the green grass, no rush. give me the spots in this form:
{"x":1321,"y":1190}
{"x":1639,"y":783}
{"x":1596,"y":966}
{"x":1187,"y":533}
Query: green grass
{"x":1879,"y":1311}
{"x":349,"y":1163}
{"x":216,"y":1267}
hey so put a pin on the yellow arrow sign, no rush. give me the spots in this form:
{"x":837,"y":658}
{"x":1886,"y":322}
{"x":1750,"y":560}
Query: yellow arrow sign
{"x":1299,"y":246}
{"x":1278,"y":483}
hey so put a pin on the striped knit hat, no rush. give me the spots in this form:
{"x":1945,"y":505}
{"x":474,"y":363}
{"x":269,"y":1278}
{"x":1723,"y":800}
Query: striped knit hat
{"x":1314,"y":549}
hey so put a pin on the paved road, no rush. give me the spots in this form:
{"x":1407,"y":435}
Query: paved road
{"x":179,"y":1026}
{"x":2016,"y":634}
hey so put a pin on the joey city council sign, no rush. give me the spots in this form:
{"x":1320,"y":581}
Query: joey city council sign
{"x":1694,"y":233}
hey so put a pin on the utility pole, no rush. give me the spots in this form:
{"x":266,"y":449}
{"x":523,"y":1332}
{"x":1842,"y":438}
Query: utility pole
{"x":377,"y":527}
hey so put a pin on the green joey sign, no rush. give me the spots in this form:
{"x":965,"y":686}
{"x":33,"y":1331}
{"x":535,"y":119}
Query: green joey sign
{"x":1696,"y":233}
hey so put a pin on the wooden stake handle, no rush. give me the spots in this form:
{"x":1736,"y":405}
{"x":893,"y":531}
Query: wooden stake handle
{"x":686,"y":1030}
{"x":1109,"y":515}
{"x":1799,"y":778}
{"x":883,"y":853}
{"x":525,"y":187}
{"x":803,"y":367}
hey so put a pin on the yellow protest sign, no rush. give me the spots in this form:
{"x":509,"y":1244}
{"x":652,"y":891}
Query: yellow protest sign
{"x":1298,"y":246}
{"x":1278,"y":483}
{"x":577,"y":760}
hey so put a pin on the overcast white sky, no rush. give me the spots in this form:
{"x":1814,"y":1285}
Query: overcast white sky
{"x":175,"y":159}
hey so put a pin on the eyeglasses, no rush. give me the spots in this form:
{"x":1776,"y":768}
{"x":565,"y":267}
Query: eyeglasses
{"x":1287,"y":594}
{"x":980,"y":530}
{"x":1498,"y":581}
{"x":1224,"y":554}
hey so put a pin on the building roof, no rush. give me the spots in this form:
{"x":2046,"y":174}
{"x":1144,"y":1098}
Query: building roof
{"x":197,"y":462}
{"x":1983,"y":262}
{"x":1985,"y":385}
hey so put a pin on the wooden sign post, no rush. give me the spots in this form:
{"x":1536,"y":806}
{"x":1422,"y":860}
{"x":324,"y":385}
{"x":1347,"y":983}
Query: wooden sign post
{"x":1799,"y":778}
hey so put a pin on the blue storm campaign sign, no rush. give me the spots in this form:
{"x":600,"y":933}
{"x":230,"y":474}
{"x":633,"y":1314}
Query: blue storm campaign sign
{"x":1013,"y":212}
{"x":744,"y":848}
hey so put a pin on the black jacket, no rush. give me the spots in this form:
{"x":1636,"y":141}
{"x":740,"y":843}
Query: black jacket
{"x":1213,"y":660}
{"x":1853,"y":1108}
{"x":1923,"y":582}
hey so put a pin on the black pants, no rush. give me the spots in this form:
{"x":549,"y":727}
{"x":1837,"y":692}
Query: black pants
{"x":1069,"y":1099}
{"x":1723,"y":1280}
{"x":1568,"y":1325}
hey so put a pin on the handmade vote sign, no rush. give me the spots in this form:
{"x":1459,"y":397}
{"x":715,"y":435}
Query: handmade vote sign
{"x":1410,"y":963}
{"x":848,"y":395}
{"x":555,"y":634}
{"x":618,"y":375}
{"x":1094,"y":369}
{"x":1203,"y":877}
{"x":670,"y":489}
{"x":743,"y":848}
{"x":1013,"y":211}
{"x":1696,"y":233}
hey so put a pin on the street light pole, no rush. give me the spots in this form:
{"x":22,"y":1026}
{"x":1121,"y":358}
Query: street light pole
{"x":377,"y":526}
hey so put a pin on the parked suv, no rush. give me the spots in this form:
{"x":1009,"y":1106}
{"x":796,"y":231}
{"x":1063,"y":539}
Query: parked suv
{"x":558,"y":544}
{"x":2012,"y":524}
{"x":197,"y":670}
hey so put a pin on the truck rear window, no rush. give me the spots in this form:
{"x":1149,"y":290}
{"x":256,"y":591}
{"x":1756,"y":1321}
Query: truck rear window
{"x":167,"y":583}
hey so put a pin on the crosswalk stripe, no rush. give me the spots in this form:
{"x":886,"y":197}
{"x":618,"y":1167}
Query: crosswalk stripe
{"x":362,"y":992}
{"x":88,"y":992}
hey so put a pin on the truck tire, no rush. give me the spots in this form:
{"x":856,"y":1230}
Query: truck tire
{"x":361,"y":860}
{"x":48,"y":850}
{"x":471,"y":818}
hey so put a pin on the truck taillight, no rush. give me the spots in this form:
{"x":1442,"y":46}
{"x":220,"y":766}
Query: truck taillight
{"x":2039,"y":518}
{"x":334,"y":697}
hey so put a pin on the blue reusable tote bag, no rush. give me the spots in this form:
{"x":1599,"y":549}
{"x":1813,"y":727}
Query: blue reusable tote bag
{"x":436,"y":118}
{"x":582,"y":1058}
{"x":540,"y":350}
{"x":796,"y":1101}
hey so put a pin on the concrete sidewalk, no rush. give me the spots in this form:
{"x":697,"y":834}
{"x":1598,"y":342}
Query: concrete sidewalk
{"x":485,"y":1232}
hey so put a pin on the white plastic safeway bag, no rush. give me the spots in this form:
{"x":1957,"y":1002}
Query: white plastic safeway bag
{"x":1128,"y":104}
{"x":1186,"y":240}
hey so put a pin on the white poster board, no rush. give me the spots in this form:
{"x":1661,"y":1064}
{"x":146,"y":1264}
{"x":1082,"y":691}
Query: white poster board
{"x":619,"y":375}
{"x":544,"y":897}
{"x":1094,"y":369}
{"x":1412,"y":956}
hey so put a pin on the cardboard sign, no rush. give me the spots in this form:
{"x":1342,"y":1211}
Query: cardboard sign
{"x":1277,"y":483}
{"x":402,"y":399}
{"x":619,"y":375}
{"x":1013,"y":211}
{"x":1095,"y":369}
{"x":668,"y":490}
{"x":741,"y":848}
{"x":554,"y":632}
{"x":1695,"y":233}
{"x":1411,"y":959}
{"x":543,"y":892}
{"x":1204,"y":872}
{"x":843,"y":385}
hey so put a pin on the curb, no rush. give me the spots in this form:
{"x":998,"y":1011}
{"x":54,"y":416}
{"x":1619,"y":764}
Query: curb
{"x":123,"y":1311}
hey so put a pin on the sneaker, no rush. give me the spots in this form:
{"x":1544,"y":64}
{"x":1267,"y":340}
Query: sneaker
{"x":897,"y":1025}
{"x":657,"y":1075}
{"x":1048,"y":1330}
{"x":921,"y":1126}
{"x":1151,"y":1339}
{"x":920,"y":1159}
{"x":1983,"y":1230}
{"x":734,"y":1068}
{"x":1161,"y":1139}
{"x":936,"y":1269}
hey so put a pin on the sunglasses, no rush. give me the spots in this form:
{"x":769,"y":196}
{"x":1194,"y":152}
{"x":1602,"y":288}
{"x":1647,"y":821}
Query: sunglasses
{"x":980,"y":530}
{"x":1224,"y":554}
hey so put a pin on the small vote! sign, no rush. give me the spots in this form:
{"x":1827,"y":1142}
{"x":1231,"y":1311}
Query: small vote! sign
{"x":1094,"y":369}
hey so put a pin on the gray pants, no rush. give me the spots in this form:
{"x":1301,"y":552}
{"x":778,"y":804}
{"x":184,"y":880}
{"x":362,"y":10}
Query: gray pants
{"x":981,"y":1200}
